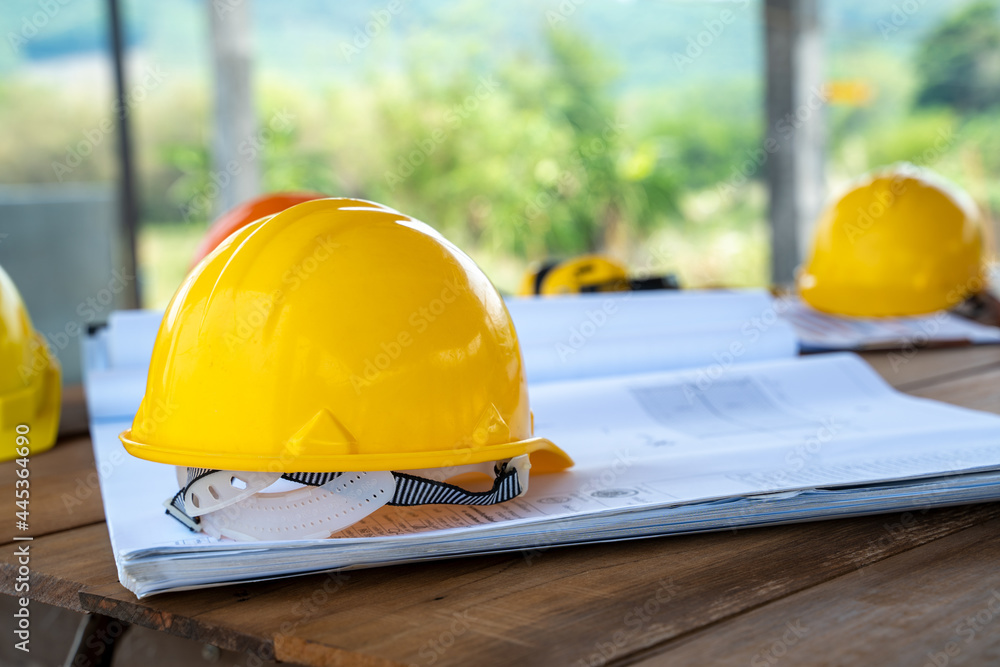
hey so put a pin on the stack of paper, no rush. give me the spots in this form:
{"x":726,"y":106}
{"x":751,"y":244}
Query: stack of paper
{"x":746,"y":434}
{"x":819,"y":332}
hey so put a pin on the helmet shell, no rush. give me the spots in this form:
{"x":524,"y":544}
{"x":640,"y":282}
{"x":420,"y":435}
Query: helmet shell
{"x":30,"y":389}
{"x":587,"y":273}
{"x":899,"y":242}
{"x":337,"y":335}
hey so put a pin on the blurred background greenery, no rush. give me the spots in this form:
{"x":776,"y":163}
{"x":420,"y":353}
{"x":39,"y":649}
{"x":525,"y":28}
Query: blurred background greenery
{"x":522,"y":129}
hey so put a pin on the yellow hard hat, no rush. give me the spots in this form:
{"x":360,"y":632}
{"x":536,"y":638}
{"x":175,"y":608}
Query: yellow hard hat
{"x":900,"y":242}
{"x":587,"y":273}
{"x":337,"y":335}
{"x":30,"y":387}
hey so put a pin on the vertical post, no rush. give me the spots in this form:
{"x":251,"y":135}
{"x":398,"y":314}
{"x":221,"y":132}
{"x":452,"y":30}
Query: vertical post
{"x":795,"y":101}
{"x":129,"y":212}
{"x":236,"y":177}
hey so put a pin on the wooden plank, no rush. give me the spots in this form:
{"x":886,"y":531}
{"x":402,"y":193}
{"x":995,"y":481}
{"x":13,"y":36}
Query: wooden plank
{"x":598,"y":605}
{"x":73,"y":418}
{"x":61,"y":564}
{"x":935,"y":605}
{"x":909,"y":370}
{"x":548,"y":607}
{"x":64,"y":486}
{"x":182,"y":614}
{"x":980,"y":391}
{"x":561,"y":606}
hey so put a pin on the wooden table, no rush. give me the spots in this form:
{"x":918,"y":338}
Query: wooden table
{"x":912,"y":588}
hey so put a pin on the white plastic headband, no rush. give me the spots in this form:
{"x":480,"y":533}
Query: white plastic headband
{"x":311,"y":512}
{"x":223,"y":488}
{"x":231,"y":503}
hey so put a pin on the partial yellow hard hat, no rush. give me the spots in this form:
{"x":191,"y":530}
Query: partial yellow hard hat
{"x":900,"y":242}
{"x":337,"y":335}
{"x":587,"y":273}
{"x":30,"y":387}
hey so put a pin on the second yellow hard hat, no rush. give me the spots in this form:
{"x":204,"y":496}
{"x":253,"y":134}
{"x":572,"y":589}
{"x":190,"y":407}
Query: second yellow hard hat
{"x":900,"y":242}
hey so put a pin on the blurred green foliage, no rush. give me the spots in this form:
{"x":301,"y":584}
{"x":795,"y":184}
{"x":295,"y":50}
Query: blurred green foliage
{"x":542,"y":150}
{"x":959,"y":61}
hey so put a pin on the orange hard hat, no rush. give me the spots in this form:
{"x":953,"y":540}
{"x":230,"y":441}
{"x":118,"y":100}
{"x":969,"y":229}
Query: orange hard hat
{"x":242,"y":215}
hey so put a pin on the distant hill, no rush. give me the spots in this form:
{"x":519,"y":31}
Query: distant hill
{"x":305,"y":40}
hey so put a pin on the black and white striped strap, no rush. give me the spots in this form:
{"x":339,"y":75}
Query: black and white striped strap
{"x":411,"y":490}
{"x":311,"y":478}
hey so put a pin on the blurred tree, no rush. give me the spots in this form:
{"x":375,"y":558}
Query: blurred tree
{"x":190,"y":164}
{"x":959,"y":61}
{"x":576,"y":97}
{"x":602,"y":191}
{"x":532,"y":160}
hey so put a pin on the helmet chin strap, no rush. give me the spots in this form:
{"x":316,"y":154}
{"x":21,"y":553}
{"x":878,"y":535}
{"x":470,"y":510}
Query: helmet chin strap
{"x":226,"y":503}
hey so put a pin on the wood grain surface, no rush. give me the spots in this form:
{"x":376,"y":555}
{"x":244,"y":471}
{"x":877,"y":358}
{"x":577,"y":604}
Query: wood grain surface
{"x":912,"y":369}
{"x":875,"y":590}
{"x":64,"y":489}
{"x":937,"y":605}
{"x":607,"y":601}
